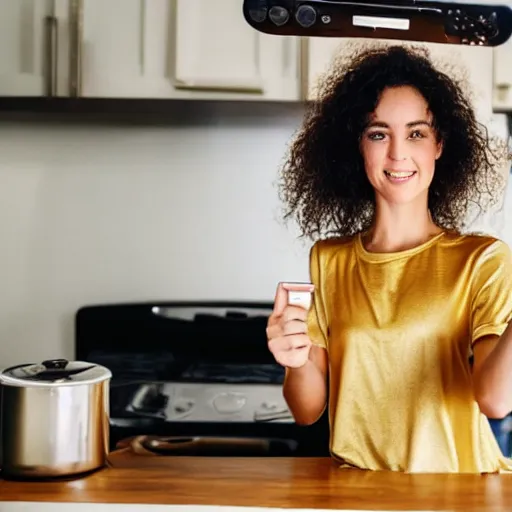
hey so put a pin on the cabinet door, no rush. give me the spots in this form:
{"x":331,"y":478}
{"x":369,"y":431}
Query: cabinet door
{"x":182,"y":49}
{"x":29,"y":48}
{"x":114,"y":52}
{"x":502,"y":77}
{"x":320,"y":53}
{"x":216,"y":51}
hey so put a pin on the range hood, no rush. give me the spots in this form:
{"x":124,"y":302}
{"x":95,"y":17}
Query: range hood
{"x":438,"y":21}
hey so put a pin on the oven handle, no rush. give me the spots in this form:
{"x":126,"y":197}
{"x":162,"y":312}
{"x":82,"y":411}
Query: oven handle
{"x":211,"y":446}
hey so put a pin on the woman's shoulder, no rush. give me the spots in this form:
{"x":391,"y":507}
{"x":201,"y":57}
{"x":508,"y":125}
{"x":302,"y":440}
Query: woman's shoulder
{"x":333,"y":248}
{"x":475,"y":242}
{"x":334,"y":243}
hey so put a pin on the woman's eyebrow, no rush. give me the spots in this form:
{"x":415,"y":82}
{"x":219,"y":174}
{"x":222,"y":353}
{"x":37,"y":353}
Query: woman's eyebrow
{"x":382,"y":124}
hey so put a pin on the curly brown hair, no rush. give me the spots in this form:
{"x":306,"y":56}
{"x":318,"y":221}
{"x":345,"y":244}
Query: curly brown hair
{"x":323,"y":183}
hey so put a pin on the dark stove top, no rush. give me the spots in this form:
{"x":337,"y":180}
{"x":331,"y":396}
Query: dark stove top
{"x":193,"y":369}
{"x":234,"y":373}
{"x":206,"y":350}
{"x":165,"y":366}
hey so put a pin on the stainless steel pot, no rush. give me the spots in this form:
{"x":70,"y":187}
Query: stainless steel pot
{"x":54,"y":419}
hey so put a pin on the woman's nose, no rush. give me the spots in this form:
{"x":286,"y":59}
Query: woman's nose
{"x":397,"y":151}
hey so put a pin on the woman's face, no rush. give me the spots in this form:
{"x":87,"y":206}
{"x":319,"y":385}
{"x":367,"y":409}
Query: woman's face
{"x":399,"y":147}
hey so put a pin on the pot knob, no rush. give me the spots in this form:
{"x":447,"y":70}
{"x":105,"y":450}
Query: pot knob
{"x":55,"y":364}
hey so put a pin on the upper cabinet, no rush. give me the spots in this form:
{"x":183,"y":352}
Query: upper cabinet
{"x":215,"y":50}
{"x":31,"y":56}
{"x":502,"y":90}
{"x":182,"y":49}
{"x":320,"y":52}
{"x":121,"y":50}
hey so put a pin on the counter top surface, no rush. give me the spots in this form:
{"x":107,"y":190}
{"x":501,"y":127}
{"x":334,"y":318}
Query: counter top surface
{"x":289,"y":483}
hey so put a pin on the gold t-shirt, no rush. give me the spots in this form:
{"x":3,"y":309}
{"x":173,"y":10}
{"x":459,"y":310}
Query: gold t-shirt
{"x":399,"y":328}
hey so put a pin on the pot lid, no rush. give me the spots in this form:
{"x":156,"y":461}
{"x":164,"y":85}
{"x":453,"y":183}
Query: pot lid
{"x":54,"y":372}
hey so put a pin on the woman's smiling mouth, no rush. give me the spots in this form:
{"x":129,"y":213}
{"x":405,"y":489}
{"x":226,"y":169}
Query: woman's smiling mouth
{"x":399,"y":176}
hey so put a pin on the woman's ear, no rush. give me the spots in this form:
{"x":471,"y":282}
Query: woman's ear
{"x":440,"y":147}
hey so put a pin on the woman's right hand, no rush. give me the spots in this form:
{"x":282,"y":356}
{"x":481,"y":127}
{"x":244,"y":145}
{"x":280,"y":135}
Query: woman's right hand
{"x":287,"y":329}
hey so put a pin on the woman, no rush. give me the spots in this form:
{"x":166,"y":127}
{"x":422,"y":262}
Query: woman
{"x":407,"y":339}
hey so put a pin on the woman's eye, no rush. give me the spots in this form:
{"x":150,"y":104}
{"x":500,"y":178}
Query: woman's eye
{"x":379,"y":136}
{"x":376,"y":136}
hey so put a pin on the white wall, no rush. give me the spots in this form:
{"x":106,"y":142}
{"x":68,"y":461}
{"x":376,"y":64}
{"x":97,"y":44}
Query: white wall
{"x":103,"y":212}
{"x":506,"y":234}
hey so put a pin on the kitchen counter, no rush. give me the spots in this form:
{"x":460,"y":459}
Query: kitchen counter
{"x":290,"y":483}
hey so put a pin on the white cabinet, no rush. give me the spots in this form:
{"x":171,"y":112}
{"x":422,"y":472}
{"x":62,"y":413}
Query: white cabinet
{"x":32,"y":55}
{"x":118,"y":57}
{"x":502,"y":83}
{"x":192,"y":49}
{"x":320,"y":52}
{"x":216,"y":50}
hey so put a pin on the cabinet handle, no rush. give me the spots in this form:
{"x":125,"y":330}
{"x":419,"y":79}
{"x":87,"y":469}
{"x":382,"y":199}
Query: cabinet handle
{"x":51,"y":55}
{"x":75,"y":48}
{"x":304,"y":84}
{"x":252,"y":87}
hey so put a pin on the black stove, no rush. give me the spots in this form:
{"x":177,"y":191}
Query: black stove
{"x":194,"y":370}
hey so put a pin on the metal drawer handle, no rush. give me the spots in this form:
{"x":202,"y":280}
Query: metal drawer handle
{"x":52,"y":45}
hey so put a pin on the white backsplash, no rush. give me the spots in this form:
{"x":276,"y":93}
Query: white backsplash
{"x":100,"y":212}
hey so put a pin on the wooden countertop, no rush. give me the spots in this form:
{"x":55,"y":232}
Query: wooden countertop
{"x":264,"y":482}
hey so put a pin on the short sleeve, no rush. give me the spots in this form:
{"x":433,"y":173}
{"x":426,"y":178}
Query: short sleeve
{"x":316,"y":321}
{"x":491,"y":309}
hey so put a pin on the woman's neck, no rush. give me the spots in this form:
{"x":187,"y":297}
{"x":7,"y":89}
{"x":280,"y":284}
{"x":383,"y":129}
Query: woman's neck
{"x":399,"y":227}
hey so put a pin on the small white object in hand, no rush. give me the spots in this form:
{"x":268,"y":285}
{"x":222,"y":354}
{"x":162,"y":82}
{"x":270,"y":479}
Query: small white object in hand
{"x":299,"y":298}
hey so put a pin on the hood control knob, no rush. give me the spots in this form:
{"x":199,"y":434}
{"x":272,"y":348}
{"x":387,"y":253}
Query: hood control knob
{"x":278,"y":15}
{"x":306,"y":16}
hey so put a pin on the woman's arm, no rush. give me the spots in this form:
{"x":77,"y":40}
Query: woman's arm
{"x":492,"y":374}
{"x":491,"y":320}
{"x":305,"y":388}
